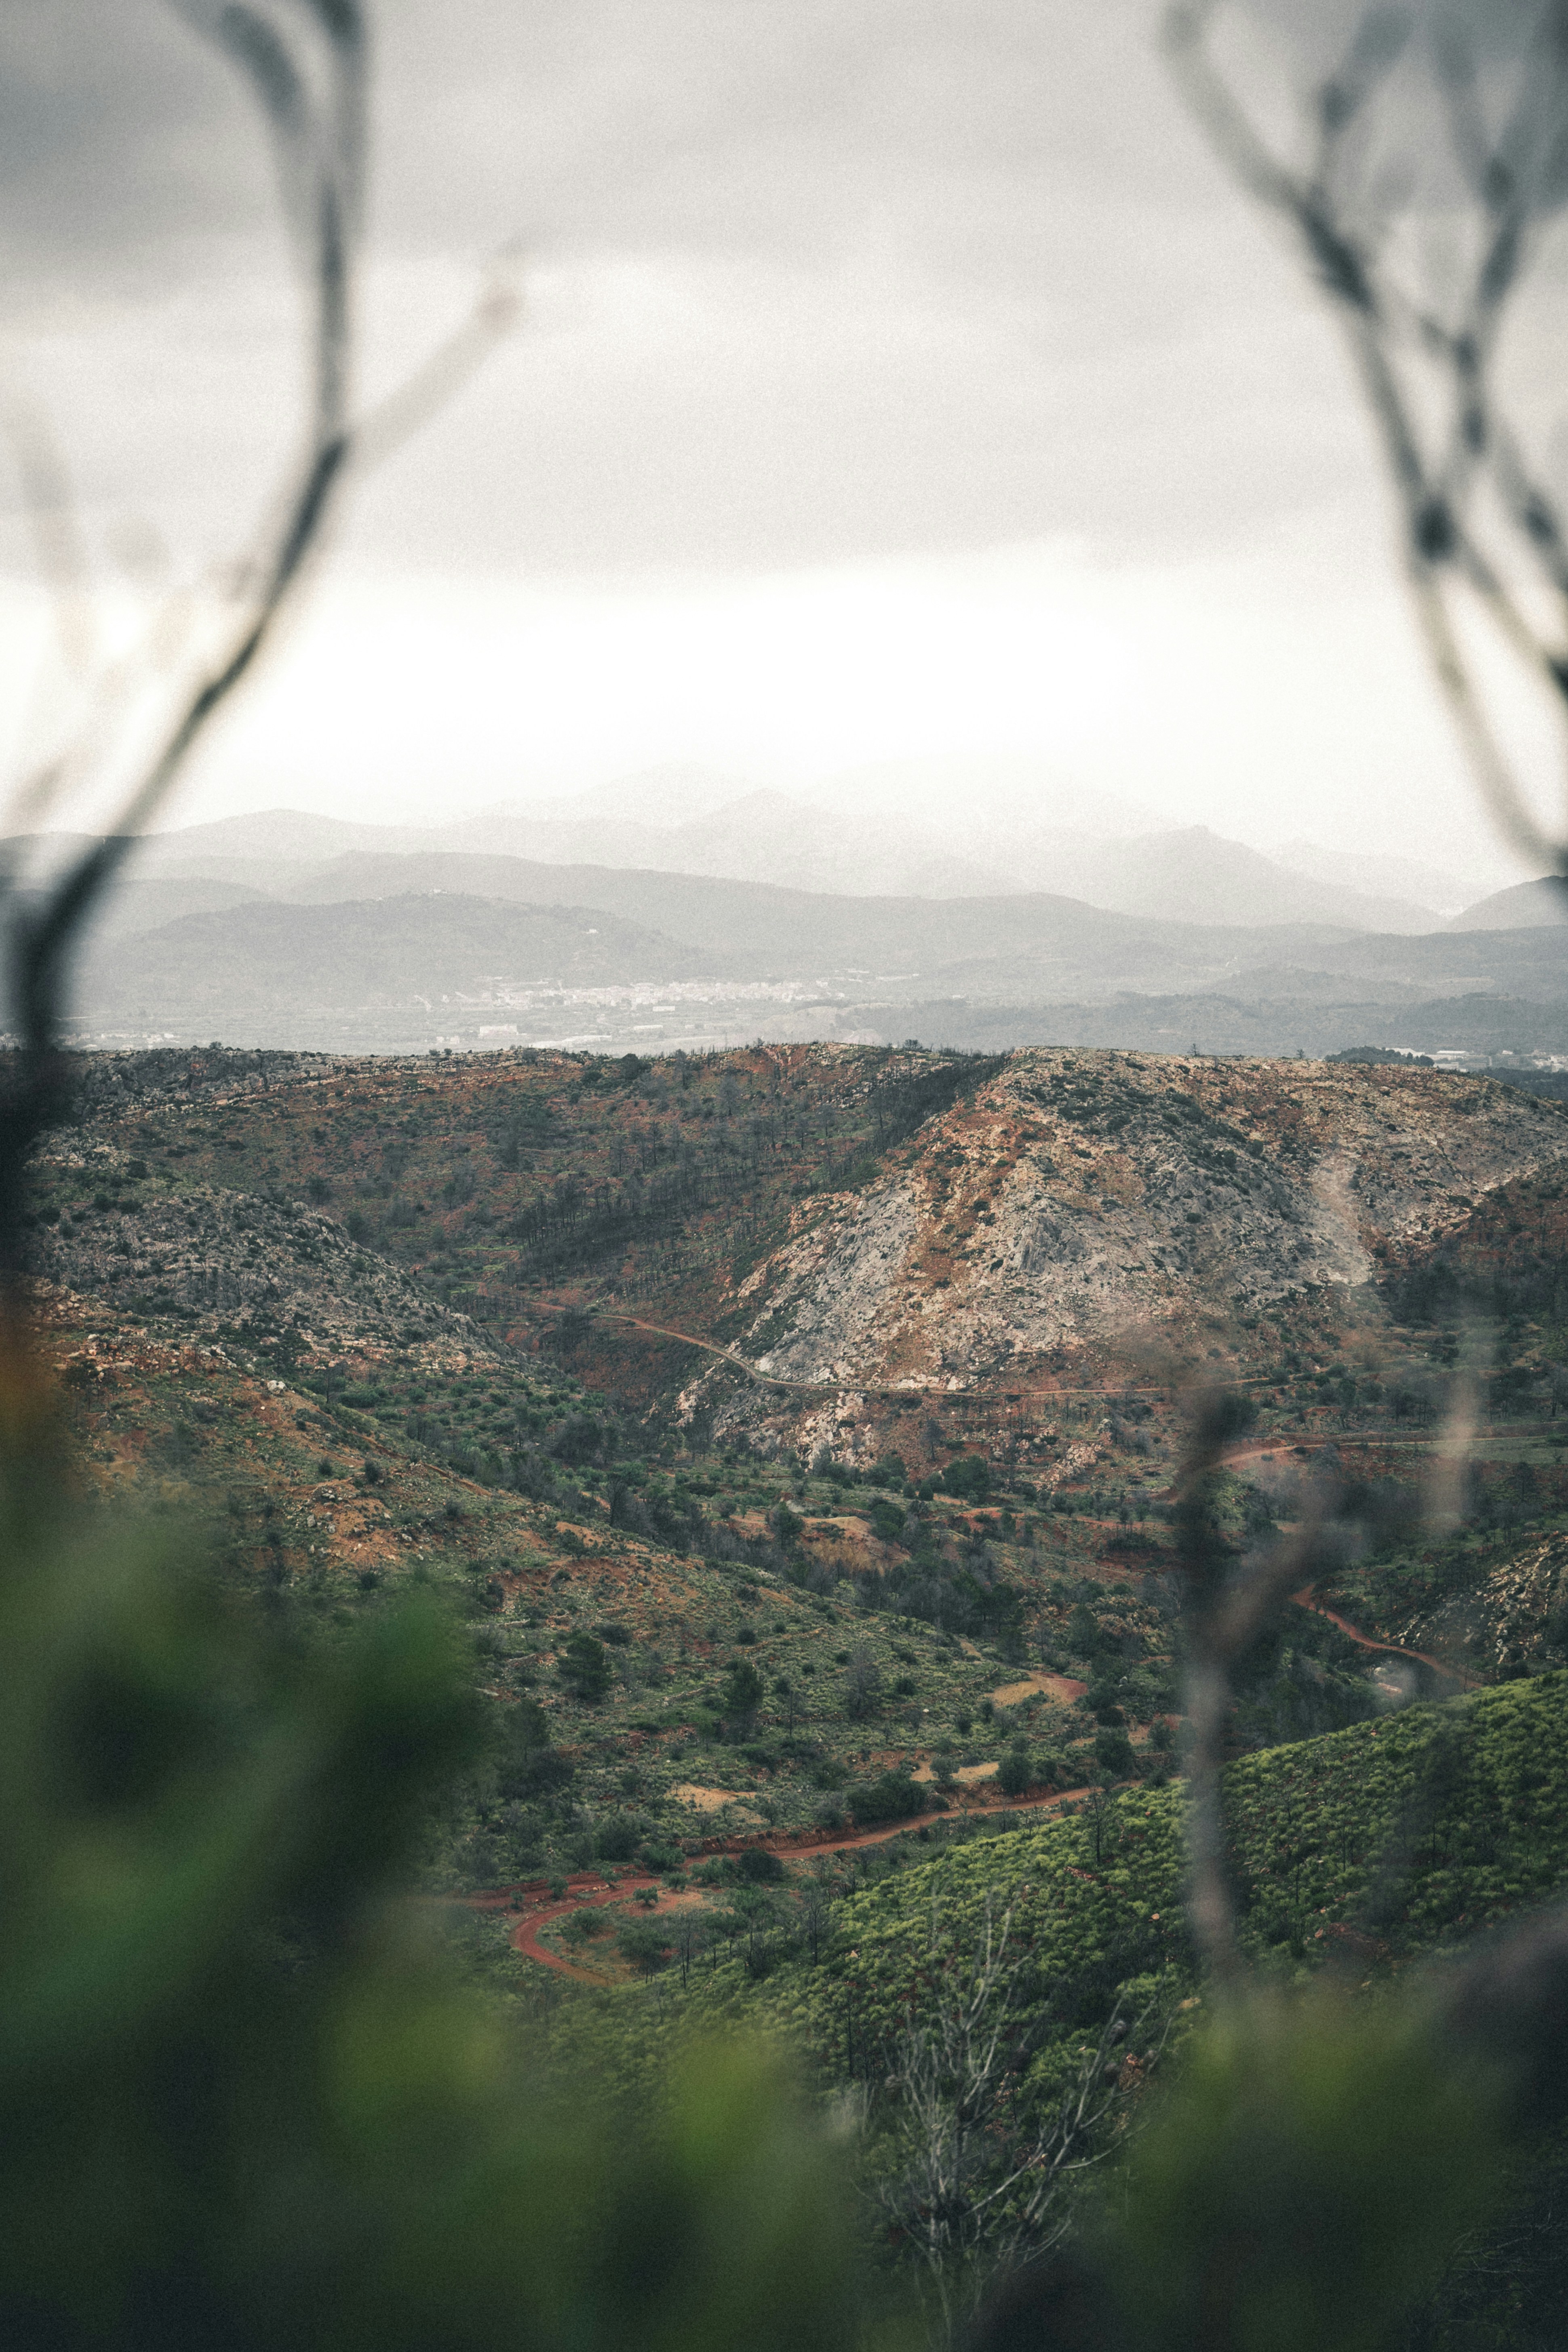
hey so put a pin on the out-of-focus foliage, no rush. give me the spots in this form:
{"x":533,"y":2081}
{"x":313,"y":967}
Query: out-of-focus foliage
{"x":244,"y":2102}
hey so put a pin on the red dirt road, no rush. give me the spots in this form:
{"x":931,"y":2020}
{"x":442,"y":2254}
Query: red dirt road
{"x":591,"y":1890}
{"x":1305,"y":1599}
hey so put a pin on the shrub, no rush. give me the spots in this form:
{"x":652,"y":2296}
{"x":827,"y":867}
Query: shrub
{"x":969,"y":1478}
{"x":893,"y":1796}
{"x":644,"y":1943}
{"x":585,"y":1669}
{"x":1015,"y":1774}
{"x":758,"y":1866}
{"x":582,"y":1925}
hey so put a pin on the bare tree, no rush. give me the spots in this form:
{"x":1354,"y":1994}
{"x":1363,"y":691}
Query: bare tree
{"x":815,"y":1917}
{"x":1435,"y":153}
{"x":689,"y":1932}
{"x":862,"y":1683}
{"x":305,"y":62}
{"x":979,"y":2181}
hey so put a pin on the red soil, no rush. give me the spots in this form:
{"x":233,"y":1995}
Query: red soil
{"x":591,"y":1890}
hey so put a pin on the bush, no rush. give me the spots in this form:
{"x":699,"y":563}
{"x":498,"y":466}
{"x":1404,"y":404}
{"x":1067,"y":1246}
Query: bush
{"x":617,"y":1839}
{"x":893,"y":1796}
{"x":969,"y":1478}
{"x":1015,"y":1774}
{"x":644,"y":1943}
{"x":1113,"y":1754}
{"x":758,"y":1866}
{"x":887,"y":1520}
{"x":585,"y":1669}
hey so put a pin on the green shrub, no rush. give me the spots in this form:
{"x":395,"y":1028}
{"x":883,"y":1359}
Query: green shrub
{"x":969,"y":1478}
{"x":644,"y":1943}
{"x":244,"y":2101}
{"x":584,"y":1668}
{"x":893,"y":1796}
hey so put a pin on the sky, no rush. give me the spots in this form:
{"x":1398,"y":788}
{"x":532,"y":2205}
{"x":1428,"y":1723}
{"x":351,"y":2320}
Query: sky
{"x":895,"y":383}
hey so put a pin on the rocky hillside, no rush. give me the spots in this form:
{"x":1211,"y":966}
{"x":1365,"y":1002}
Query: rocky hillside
{"x":1093,"y":1202}
{"x":275,"y":1273}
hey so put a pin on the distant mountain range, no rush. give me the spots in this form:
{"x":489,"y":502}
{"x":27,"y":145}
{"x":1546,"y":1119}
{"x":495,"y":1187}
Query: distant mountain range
{"x":1527,"y":906}
{"x":371,"y":949}
{"x":746,"y":913}
{"x":686,"y":821}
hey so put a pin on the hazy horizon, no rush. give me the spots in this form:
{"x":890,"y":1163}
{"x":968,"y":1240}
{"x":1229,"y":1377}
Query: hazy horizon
{"x":896,"y":384}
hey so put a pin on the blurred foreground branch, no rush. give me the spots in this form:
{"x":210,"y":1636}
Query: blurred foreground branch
{"x":1439,"y":124}
{"x":305,"y":62}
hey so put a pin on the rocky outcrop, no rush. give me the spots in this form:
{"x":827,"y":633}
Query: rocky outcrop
{"x":1085,"y":1200}
{"x":230,"y":1261}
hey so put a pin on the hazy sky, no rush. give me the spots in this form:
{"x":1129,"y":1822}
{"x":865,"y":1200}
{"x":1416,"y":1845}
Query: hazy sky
{"x":900,"y":378}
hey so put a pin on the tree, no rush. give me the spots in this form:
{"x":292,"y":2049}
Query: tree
{"x":891,"y":1797}
{"x":742,"y":1693}
{"x":584,"y":1668}
{"x":688,"y":1935}
{"x":978,"y":2181}
{"x":1014,"y":1775}
{"x":784,"y":1691}
{"x":816,"y":1919}
{"x":862,"y":1683}
{"x":969,"y":1477}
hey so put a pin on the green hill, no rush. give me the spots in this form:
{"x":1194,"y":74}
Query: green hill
{"x":1363,"y":1851}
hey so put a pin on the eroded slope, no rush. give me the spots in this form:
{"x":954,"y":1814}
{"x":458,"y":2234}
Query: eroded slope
{"x":1093,"y":1201}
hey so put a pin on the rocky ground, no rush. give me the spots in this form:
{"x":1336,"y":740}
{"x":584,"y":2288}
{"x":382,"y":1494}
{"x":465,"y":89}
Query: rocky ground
{"x":273,"y":1273}
{"x":1120,"y":1202}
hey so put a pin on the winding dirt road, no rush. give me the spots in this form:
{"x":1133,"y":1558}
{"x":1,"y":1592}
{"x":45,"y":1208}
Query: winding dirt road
{"x":592,"y":1890}
{"x":1307,"y":1598}
{"x":738,"y":1363}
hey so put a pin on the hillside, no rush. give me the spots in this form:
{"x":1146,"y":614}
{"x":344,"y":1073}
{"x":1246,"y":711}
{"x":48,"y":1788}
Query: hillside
{"x":1076,"y":1202}
{"x":466,"y":1317}
{"x":1097,"y":1900}
{"x":1525,"y":906}
{"x":310,"y":973}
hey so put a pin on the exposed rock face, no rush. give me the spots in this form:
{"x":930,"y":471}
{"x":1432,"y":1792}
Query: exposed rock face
{"x":228,"y":1259}
{"x":1084,"y":1199}
{"x":1512,"y":1616}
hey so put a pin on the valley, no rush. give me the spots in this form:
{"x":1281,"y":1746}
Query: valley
{"x":794,"y":1429}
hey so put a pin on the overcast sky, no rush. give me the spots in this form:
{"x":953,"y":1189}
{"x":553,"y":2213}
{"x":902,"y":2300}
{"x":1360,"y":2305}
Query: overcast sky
{"x":900,"y":378}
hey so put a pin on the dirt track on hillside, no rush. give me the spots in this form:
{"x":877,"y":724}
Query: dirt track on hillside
{"x":1307,"y":1598}
{"x":591,"y":1890}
